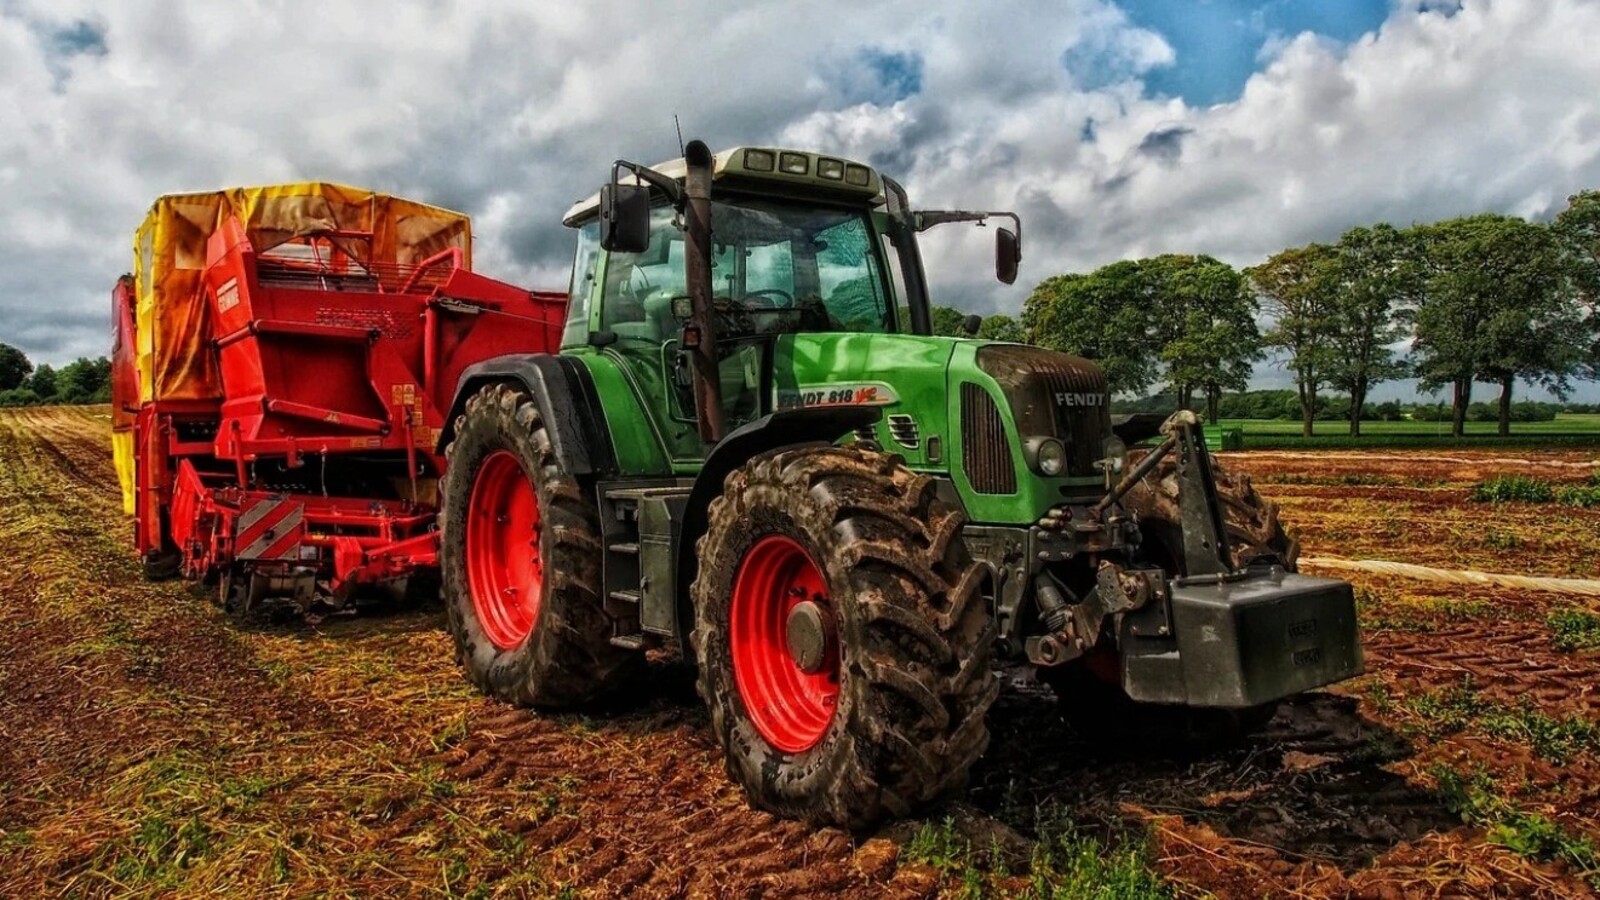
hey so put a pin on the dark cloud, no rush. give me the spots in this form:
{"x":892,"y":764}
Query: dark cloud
{"x":1165,"y":144}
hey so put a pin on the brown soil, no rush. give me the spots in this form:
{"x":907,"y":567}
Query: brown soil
{"x":148,"y":746}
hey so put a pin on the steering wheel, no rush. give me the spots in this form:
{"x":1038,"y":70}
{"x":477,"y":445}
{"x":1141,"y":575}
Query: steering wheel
{"x":637,"y":284}
{"x":774,"y":295}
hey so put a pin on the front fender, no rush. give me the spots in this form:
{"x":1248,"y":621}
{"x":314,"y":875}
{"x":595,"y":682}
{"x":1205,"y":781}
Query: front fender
{"x":567,"y":399}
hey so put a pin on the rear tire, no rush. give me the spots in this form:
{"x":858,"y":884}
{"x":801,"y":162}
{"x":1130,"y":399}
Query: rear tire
{"x":909,"y":632}
{"x":552,"y":647}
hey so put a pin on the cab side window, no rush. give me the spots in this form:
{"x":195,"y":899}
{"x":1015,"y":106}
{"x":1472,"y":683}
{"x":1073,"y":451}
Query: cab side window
{"x":580,"y":293}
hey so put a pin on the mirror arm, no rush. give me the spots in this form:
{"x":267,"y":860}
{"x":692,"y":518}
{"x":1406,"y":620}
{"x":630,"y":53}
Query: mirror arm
{"x":650,"y":176}
{"x":932,"y":218}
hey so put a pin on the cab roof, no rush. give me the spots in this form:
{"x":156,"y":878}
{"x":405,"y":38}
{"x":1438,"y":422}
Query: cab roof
{"x":779,"y":169}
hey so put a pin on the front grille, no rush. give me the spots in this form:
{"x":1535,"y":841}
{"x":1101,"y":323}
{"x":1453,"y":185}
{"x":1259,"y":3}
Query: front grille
{"x":985,"y":450}
{"x":1054,"y":394}
{"x":903,"y":429}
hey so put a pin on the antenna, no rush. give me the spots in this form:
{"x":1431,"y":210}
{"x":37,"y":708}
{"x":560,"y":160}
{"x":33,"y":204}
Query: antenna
{"x":680,"y":133}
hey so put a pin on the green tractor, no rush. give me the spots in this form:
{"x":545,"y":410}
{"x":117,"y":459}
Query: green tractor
{"x":752,"y":448}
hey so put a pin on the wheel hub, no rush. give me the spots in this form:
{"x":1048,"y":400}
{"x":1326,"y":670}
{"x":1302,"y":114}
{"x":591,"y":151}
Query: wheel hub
{"x":505,"y":575}
{"x":809,"y":631}
{"x":784,"y":644}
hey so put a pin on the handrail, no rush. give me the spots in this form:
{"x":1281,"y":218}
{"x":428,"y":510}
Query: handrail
{"x":451,"y":253}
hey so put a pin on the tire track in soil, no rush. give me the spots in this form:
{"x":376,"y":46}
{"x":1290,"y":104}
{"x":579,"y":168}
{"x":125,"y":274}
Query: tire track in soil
{"x":74,"y":717}
{"x":630,"y":801}
{"x":651,"y":812}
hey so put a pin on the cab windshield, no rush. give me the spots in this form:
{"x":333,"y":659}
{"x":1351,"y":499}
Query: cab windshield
{"x":776,"y":268}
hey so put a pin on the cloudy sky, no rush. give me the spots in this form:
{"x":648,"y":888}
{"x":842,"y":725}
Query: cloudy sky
{"x":1117,"y":129}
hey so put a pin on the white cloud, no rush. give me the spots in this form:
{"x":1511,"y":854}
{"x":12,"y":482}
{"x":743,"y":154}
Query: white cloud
{"x":510,"y":110}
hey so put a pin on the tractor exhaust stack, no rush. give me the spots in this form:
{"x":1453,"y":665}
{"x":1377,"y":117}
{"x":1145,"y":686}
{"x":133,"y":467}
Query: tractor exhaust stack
{"x":700,"y":337}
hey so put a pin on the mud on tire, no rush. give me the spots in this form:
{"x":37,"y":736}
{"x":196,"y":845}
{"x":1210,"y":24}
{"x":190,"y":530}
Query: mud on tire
{"x":566,"y":658}
{"x":913,"y":626}
{"x":1252,"y":520}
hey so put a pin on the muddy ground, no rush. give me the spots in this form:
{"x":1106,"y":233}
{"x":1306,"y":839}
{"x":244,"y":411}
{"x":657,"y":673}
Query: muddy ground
{"x":149,"y":746}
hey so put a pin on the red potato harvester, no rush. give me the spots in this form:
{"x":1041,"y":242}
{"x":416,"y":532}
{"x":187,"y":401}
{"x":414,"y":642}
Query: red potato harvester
{"x":284,"y":362}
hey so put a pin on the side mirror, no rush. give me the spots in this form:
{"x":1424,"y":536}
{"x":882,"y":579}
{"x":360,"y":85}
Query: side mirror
{"x":1007,"y":253}
{"x":971,"y":324}
{"x":625,"y":217}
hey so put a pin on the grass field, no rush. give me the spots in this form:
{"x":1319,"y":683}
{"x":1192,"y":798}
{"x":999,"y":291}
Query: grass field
{"x":150,"y":746}
{"x":1565,"y":423}
{"x":1566,"y":430}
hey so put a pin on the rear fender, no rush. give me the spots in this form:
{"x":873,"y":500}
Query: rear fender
{"x":567,"y":400}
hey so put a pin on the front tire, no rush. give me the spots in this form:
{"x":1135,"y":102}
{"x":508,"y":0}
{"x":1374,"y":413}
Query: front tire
{"x":520,"y":557}
{"x":876,"y":709}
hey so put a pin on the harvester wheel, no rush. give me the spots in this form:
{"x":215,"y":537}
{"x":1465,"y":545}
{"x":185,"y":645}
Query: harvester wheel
{"x":161,"y":565}
{"x":1091,"y":691}
{"x":843,"y":636}
{"x":520,"y":556}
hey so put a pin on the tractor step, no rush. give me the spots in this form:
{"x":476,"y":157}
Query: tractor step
{"x":641,"y":493}
{"x":631,"y":641}
{"x":625,"y":597}
{"x":629,"y":548}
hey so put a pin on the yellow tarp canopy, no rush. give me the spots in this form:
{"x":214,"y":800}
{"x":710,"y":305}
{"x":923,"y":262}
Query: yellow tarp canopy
{"x":175,"y":357}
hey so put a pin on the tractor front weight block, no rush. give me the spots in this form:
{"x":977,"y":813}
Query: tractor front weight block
{"x":1239,"y":643}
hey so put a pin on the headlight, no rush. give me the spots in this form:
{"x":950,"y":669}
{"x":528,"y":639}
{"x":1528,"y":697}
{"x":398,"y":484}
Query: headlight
{"x":1048,"y":455}
{"x":1116,"y":453}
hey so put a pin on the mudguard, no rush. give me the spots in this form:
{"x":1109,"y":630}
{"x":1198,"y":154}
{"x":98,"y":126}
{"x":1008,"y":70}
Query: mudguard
{"x":567,"y":401}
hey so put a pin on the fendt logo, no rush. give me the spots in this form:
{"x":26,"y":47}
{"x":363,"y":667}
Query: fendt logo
{"x":1075,"y":398}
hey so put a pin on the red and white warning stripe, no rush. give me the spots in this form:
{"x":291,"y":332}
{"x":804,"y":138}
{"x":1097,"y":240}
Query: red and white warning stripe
{"x":269,"y":529}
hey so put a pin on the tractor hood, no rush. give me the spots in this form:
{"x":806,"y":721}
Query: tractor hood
{"x":973,"y":411}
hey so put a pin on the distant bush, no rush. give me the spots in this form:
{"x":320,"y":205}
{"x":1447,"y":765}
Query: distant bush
{"x":1514,"y":488}
{"x":1574,"y":629}
{"x":1523,"y":489}
{"x":19,"y":397}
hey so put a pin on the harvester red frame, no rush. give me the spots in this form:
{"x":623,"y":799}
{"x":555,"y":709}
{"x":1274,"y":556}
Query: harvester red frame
{"x":314,"y":465}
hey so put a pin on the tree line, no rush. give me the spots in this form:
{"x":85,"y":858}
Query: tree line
{"x":83,"y":380}
{"x":1479,"y":299}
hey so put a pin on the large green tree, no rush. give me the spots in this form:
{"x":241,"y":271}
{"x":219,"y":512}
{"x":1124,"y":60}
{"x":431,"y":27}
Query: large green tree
{"x":14,"y":367}
{"x":1205,"y":322}
{"x":1185,"y":320}
{"x":1105,"y":316}
{"x":1001,"y":327}
{"x":1376,"y":281}
{"x":947,"y":321}
{"x":1499,"y":304}
{"x":1578,"y":229}
{"x":1296,"y":287}
{"x":43,"y":381}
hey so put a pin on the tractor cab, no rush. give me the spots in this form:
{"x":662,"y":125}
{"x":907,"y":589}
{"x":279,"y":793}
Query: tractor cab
{"x":803,"y":245}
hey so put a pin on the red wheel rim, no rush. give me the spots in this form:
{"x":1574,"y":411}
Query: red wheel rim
{"x":789,"y":707}
{"x":504,"y":573}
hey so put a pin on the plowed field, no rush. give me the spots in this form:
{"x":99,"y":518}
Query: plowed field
{"x":149,"y":746}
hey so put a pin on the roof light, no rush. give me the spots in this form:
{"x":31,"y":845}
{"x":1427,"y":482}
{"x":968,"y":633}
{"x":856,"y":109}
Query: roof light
{"x":859,"y":176}
{"x":758,"y":160}
{"x":794,"y":163}
{"x":830,"y":168}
